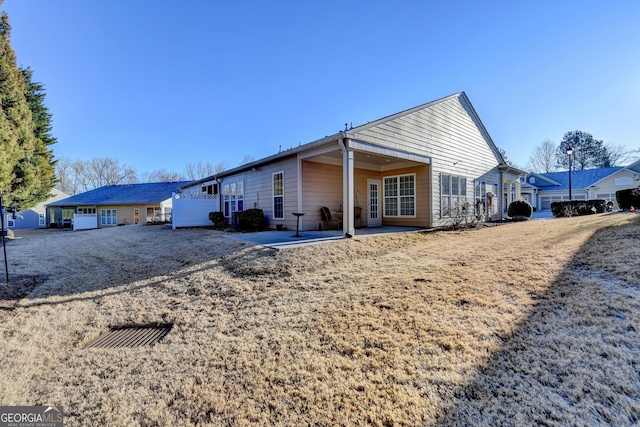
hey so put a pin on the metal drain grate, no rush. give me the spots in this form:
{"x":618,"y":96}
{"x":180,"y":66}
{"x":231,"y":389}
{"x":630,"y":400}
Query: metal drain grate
{"x":132,"y":336}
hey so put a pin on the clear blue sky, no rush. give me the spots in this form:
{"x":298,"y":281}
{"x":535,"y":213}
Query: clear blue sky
{"x":158,"y":84}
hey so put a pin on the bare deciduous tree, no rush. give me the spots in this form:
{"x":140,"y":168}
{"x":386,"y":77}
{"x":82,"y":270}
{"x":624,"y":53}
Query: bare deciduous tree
{"x":202,"y":170}
{"x":543,"y":157}
{"x":101,"y":171}
{"x":163,"y":175}
{"x":618,"y":155}
{"x":76,"y":176}
{"x":247,"y":159}
{"x":221,"y":167}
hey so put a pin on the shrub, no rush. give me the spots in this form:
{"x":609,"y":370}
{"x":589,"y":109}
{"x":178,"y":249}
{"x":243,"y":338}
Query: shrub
{"x":628,"y":198}
{"x":460,"y":215}
{"x":251,"y":220}
{"x":519,"y":208}
{"x":217,"y":218}
{"x":578,"y":207}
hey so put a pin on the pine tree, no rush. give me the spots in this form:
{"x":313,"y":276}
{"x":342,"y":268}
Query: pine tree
{"x":26,"y":169}
{"x":43,"y":156}
{"x":588,"y":152}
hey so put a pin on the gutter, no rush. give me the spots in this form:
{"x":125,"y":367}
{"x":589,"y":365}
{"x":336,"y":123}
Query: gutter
{"x":266,"y":160}
{"x":506,"y":168}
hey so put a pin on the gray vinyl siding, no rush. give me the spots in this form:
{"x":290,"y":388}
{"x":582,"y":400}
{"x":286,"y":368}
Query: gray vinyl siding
{"x":258,"y":190}
{"x":451,"y":135}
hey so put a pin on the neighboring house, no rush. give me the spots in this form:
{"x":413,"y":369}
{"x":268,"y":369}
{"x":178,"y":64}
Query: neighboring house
{"x":541,"y":189}
{"x":413,"y":168}
{"x":115,"y":205}
{"x":34,"y":217}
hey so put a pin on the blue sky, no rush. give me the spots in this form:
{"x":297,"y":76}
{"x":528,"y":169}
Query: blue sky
{"x":159,"y":84}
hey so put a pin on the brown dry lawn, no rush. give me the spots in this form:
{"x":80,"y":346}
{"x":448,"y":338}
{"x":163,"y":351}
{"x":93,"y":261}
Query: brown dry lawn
{"x":534,"y":323}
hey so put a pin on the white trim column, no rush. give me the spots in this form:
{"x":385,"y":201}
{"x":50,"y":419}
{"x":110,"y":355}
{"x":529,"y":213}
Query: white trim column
{"x":348,"y":190}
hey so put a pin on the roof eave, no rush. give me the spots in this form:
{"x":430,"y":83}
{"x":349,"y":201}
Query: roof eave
{"x":273,"y":158}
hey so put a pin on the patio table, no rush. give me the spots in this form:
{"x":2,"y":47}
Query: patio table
{"x":298,"y":215}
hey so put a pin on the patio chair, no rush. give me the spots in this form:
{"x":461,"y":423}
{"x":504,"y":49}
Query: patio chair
{"x":357,"y":213}
{"x":327,"y":221}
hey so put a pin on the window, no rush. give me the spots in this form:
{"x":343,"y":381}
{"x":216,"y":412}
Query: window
{"x":400,"y":196}
{"x":108,"y":217}
{"x":481,"y":197}
{"x":11,"y":223}
{"x":41,"y":220}
{"x":233,"y":197}
{"x":210,"y":189}
{"x":86,"y":210}
{"x":453,"y":193}
{"x":278,"y":195}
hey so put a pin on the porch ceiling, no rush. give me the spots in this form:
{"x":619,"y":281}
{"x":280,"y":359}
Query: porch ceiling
{"x":364,"y":160}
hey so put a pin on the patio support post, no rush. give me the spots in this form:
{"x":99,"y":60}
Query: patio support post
{"x":348,"y":189}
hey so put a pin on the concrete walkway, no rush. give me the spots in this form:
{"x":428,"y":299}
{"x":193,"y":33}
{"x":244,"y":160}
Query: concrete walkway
{"x":541,"y":215}
{"x":285,"y":239}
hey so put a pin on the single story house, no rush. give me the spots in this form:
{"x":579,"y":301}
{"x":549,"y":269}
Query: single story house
{"x":420,"y":167}
{"x":36,"y":216}
{"x":541,"y":189}
{"x":111,"y":205}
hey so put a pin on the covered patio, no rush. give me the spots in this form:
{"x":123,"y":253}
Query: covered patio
{"x":351,"y":176}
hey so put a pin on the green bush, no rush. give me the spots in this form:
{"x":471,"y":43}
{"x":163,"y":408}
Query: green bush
{"x":520,"y":208}
{"x":628,"y":198}
{"x":578,"y":207}
{"x":251,"y":220}
{"x":217,"y":218}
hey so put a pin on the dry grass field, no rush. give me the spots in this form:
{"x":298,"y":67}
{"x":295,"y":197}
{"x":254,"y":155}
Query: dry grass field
{"x":534,"y":323}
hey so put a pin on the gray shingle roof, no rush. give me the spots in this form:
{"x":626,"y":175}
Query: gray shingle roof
{"x":126,"y":194}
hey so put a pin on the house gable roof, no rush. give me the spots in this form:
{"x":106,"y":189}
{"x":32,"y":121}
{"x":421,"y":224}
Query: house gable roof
{"x":462,"y":98}
{"x":127,"y":194}
{"x":349,"y":133}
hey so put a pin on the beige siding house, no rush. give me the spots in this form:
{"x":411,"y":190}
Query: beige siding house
{"x":113,"y":205}
{"x":413,"y":168}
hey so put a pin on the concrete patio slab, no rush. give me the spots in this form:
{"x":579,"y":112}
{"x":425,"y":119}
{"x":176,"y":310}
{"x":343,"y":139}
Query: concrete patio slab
{"x":286,"y":239}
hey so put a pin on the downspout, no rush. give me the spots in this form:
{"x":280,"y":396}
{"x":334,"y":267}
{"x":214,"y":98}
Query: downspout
{"x":220,"y":206}
{"x":501,"y":200}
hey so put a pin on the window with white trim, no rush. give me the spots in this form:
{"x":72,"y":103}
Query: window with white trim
{"x":41,"y":220}
{"x":481,"y":197}
{"x":453,"y":194}
{"x":400,"y":196}
{"x":278,"y":195}
{"x":108,"y":217}
{"x":233,"y":193}
{"x":86,"y":210}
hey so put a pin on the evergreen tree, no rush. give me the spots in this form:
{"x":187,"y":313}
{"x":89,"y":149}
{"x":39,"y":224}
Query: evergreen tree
{"x":26,"y":173}
{"x":43,"y":155}
{"x":588,"y":152}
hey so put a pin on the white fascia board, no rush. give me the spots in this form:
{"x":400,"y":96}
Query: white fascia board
{"x":388,"y":152}
{"x":319,"y":151}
